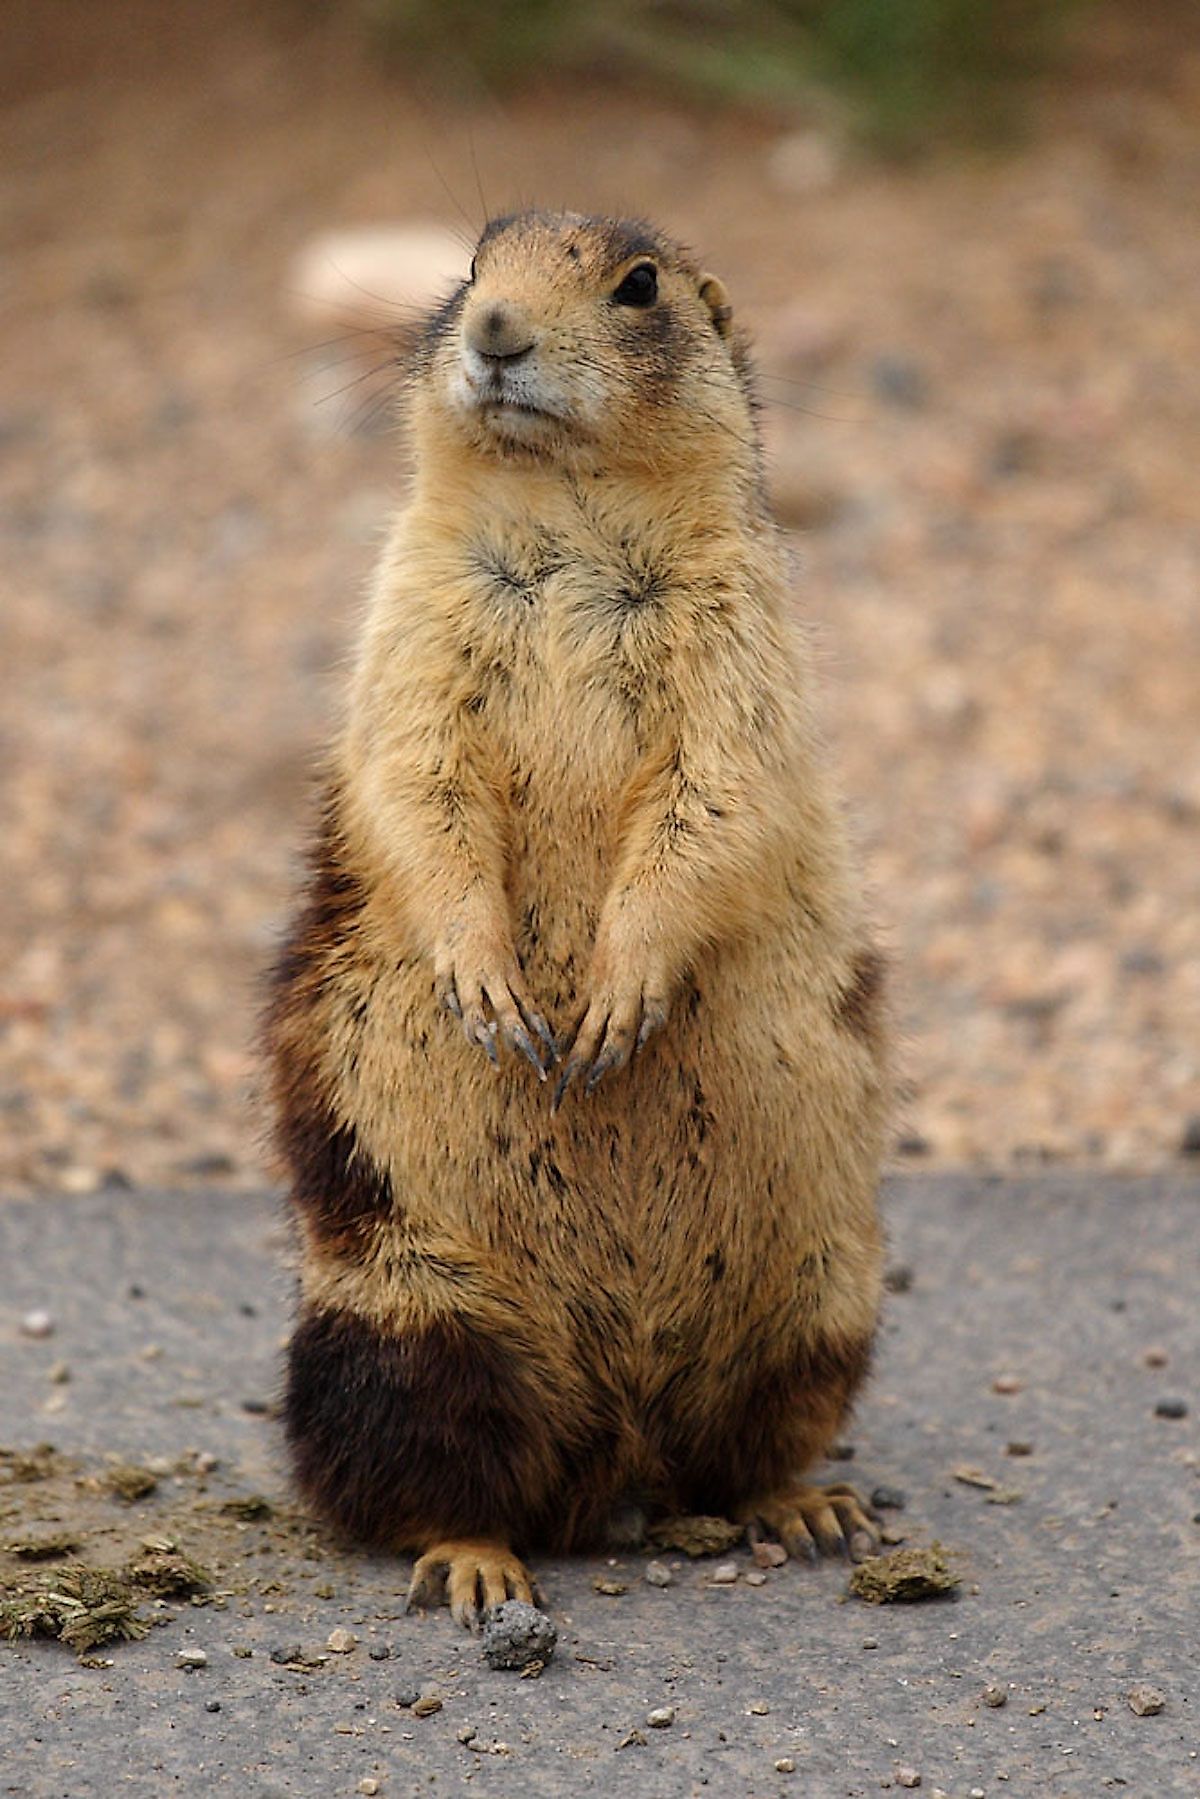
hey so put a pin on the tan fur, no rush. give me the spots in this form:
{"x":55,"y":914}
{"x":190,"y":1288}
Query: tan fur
{"x":580,"y":778}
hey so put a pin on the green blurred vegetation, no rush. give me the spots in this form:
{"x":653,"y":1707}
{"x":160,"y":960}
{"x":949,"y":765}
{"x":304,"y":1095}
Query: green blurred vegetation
{"x":904,"y":72}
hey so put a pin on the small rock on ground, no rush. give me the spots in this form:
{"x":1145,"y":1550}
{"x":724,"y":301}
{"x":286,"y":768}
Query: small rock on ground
{"x":517,"y":1634}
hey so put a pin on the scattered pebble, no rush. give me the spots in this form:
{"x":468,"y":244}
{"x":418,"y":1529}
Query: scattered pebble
{"x":59,"y":1373}
{"x":724,"y":1574}
{"x":612,"y":1589}
{"x":1189,"y":1143}
{"x":755,"y":1577}
{"x":870,"y":1642}
{"x":1171,"y":1408}
{"x":759,"y":1709}
{"x":658,"y":1575}
{"x":369,"y":1785}
{"x":785,"y":1765}
{"x":661,"y":1718}
{"x":518,"y":1635}
{"x":1008,"y":1383}
{"x":206,"y":1462}
{"x":974,"y":1477}
{"x":191,"y":1658}
{"x":212,"y":1705}
{"x":406,"y":1697}
{"x":889,"y":1499}
{"x":899,"y":1278}
{"x":379,"y":1652}
{"x":341,"y":1641}
{"x":1145,"y":1701}
{"x":1018,"y":1447}
{"x":1155,"y":1356}
{"x":284,"y":1655}
{"x":907,"y":1777}
{"x":842,"y":1452}
{"x":37,"y":1324}
{"x":900,"y":380}
{"x":769,"y":1555}
{"x":426,"y":1705}
{"x":995,"y":1696}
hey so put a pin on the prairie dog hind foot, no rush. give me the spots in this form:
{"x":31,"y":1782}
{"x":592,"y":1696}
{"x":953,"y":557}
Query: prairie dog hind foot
{"x":810,"y":1521}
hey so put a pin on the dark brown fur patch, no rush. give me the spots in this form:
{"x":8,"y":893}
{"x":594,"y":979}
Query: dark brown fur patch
{"x":860,"y":1003}
{"x":334,"y":1182}
{"x":332,"y":1179}
{"x":396,"y":1438}
{"x":763,"y":1426}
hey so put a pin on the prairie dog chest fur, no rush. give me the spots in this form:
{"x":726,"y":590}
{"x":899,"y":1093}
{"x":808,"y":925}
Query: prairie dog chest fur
{"x":579,"y":1057}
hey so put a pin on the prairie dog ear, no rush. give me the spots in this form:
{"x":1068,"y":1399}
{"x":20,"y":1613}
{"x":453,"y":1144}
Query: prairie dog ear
{"x":712,"y":292}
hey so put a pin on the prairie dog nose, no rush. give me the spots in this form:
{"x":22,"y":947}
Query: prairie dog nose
{"x":499,"y":329}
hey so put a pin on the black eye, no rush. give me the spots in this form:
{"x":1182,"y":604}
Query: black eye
{"x":472,"y":274}
{"x":639,"y":288}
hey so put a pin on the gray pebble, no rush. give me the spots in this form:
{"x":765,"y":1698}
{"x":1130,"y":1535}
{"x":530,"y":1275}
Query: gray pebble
{"x":407,"y":1697}
{"x":889,"y":1499}
{"x":1171,"y":1408}
{"x":212,"y":1705}
{"x":724,"y":1574}
{"x":658,"y":1574}
{"x":661,"y":1718}
{"x":379,"y":1652}
{"x":516,"y":1634}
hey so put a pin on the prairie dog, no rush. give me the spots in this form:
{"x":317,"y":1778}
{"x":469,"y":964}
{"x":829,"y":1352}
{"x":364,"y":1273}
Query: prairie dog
{"x":578,"y":1046}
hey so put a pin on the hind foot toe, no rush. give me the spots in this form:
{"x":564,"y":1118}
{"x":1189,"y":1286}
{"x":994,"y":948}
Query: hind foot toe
{"x":809,"y":1521}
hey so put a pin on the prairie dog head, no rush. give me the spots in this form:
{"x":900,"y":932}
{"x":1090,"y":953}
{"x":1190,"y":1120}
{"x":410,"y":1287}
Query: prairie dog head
{"x":584,"y":340}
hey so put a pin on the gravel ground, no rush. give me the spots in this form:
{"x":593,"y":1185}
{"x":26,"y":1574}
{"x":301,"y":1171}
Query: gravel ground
{"x":984,"y":421}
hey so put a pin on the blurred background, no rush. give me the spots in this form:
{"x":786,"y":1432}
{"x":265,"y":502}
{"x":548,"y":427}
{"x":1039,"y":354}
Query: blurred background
{"x":966,"y":236}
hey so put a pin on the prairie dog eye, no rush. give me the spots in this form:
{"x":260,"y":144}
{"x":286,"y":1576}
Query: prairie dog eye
{"x":474,"y":261}
{"x":639,"y":288}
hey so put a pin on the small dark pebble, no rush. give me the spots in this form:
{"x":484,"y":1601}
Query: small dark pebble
{"x":898,"y":1279}
{"x":248,"y":1311}
{"x":889,"y":1499}
{"x":258,"y":1408}
{"x":136,"y":1292}
{"x":379,"y":1652}
{"x":407,"y":1697}
{"x":294,"y":1654}
{"x":900,"y":380}
{"x":516,"y":1634}
{"x":1171,"y":1408}
{"x":1189,"y":1143}
{"x":206,"y":1167}
{"x":842,"y":1452}
{"x":212,"y":1705}
{"x":912,"y":1144}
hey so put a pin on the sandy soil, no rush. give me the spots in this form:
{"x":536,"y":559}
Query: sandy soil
{"x":984,"y":387}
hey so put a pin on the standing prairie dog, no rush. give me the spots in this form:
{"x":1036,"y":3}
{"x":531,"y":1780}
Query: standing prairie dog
{"x":577,"y":1043}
